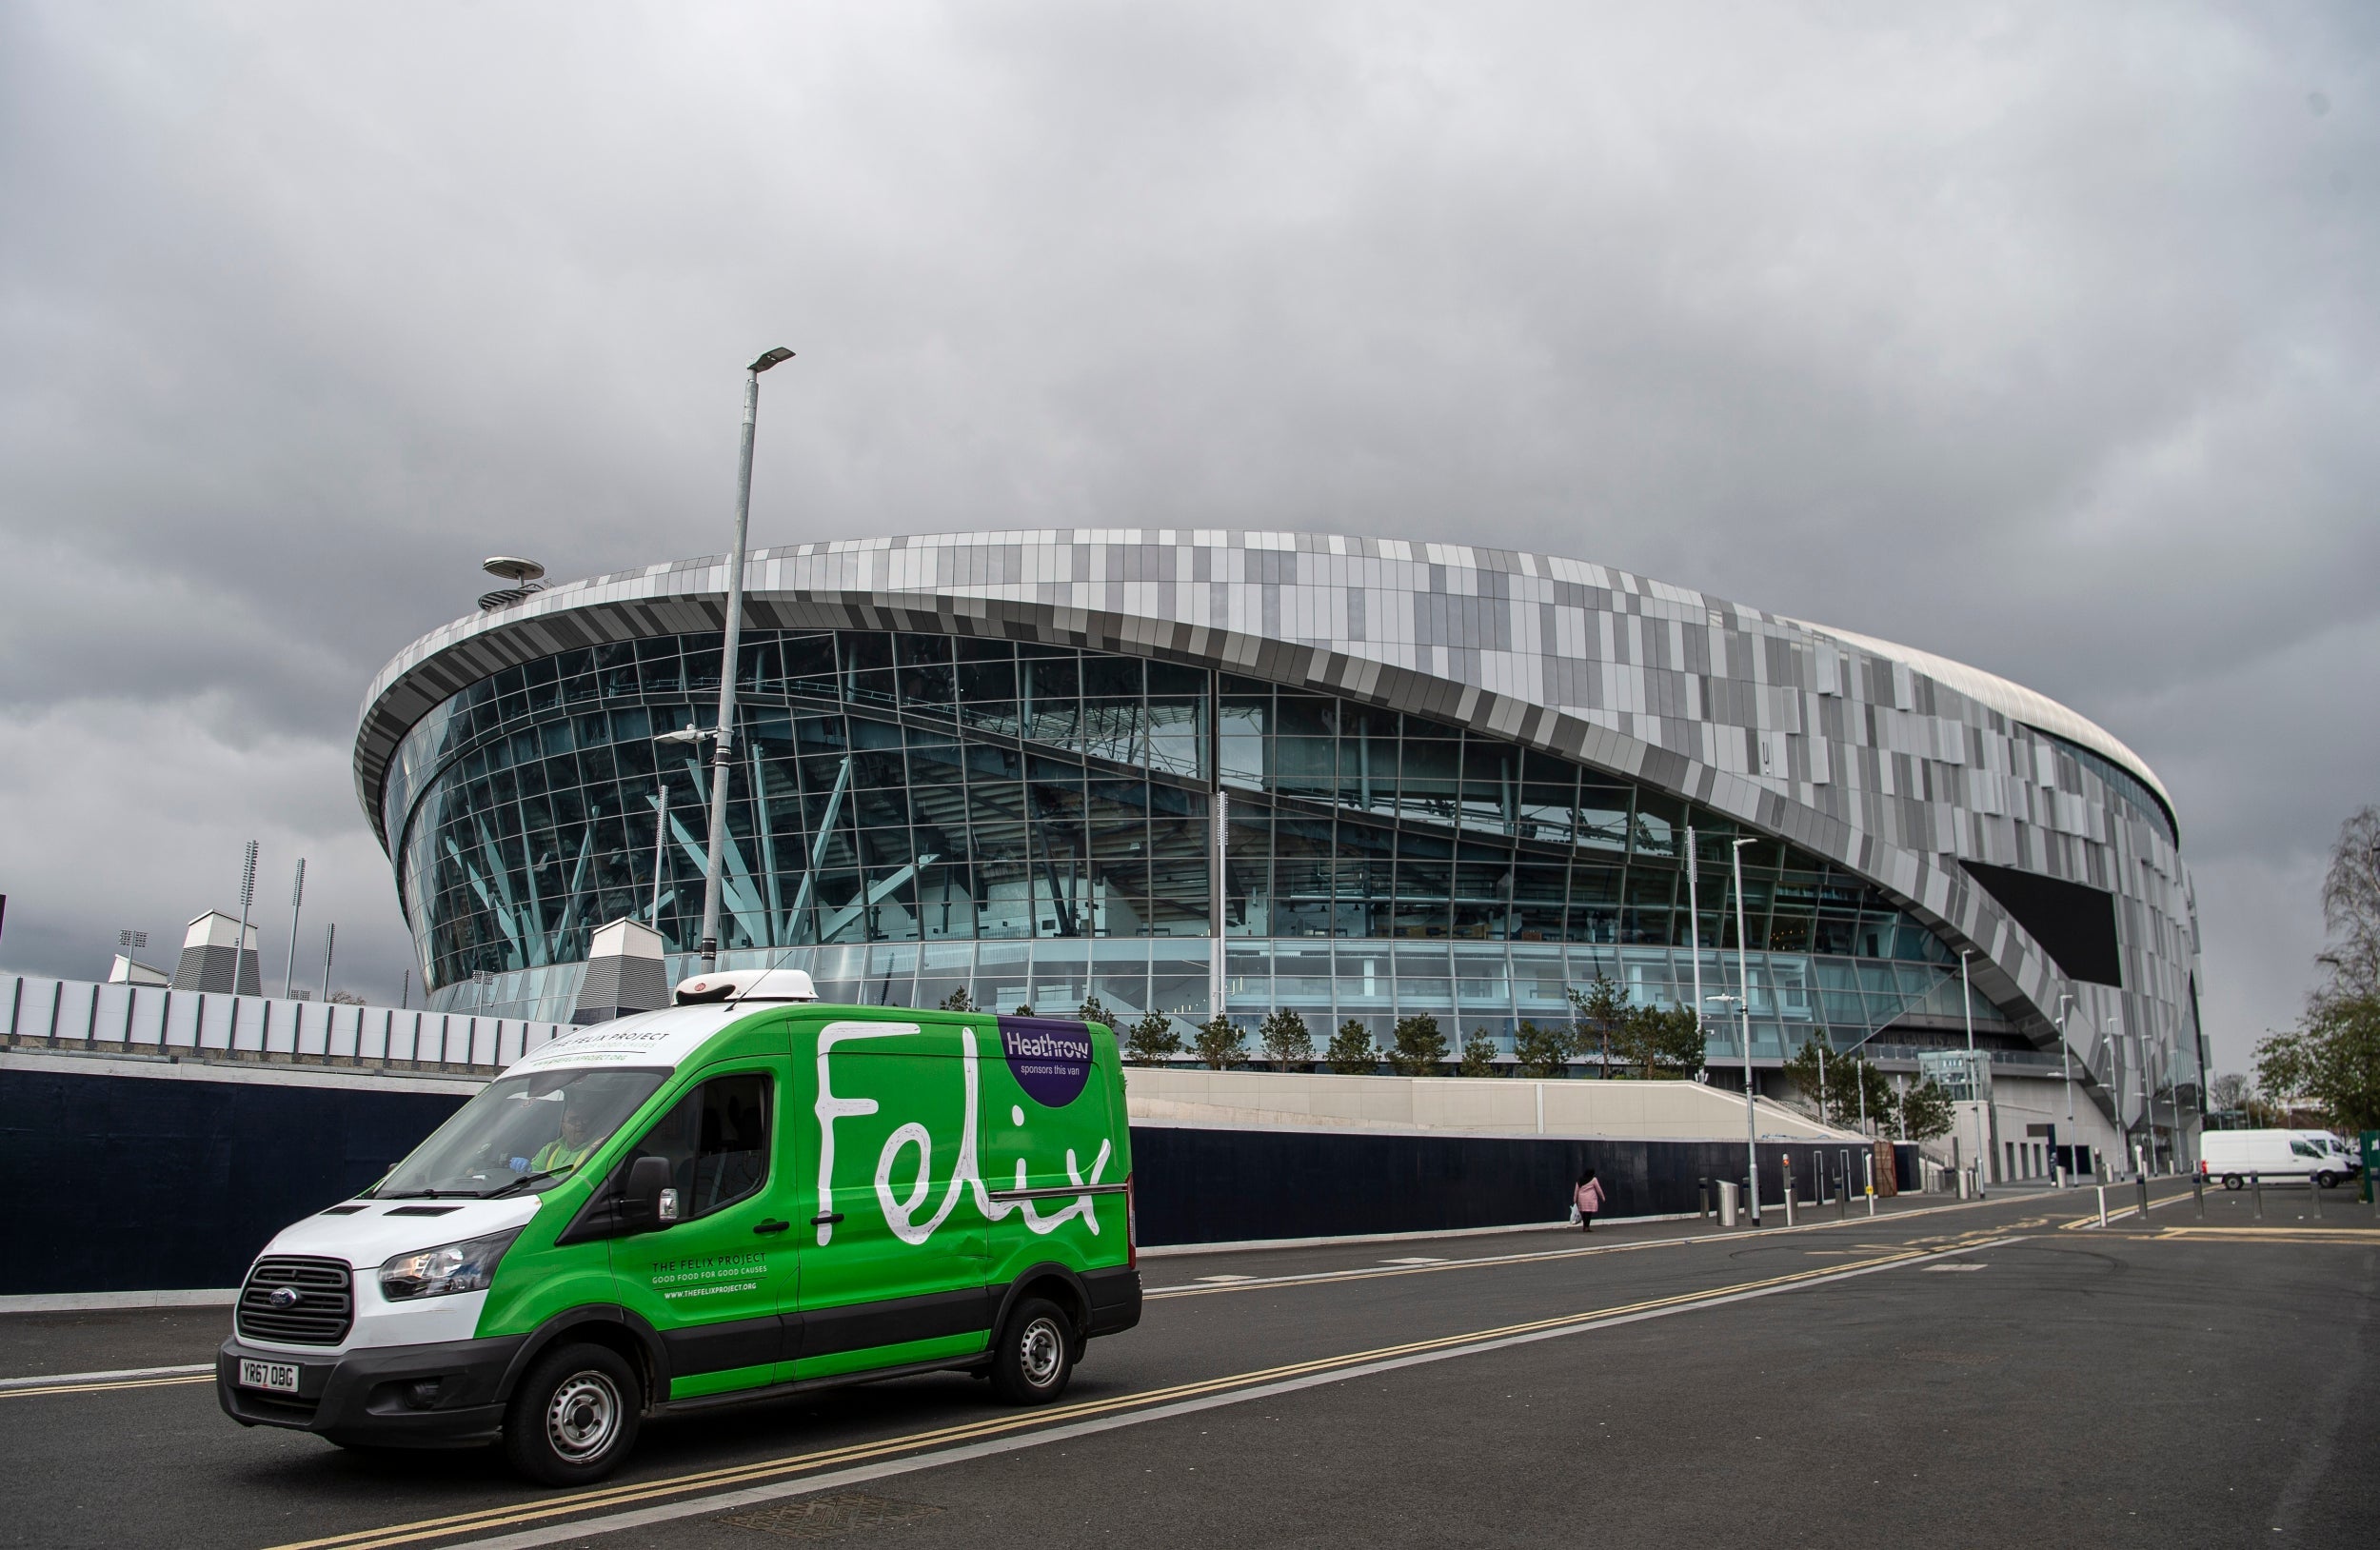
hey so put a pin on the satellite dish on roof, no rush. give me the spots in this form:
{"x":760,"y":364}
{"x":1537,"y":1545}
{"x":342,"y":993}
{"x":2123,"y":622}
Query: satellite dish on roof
{"x":524,"y":575}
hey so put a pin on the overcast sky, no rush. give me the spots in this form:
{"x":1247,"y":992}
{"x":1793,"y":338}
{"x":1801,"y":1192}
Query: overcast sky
{"x":2042,"y":338}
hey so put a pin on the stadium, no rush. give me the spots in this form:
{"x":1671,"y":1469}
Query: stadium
{"x":1221,"y":770}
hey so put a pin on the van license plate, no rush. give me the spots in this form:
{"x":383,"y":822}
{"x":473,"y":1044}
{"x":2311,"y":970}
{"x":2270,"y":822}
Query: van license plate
{"x":279,"y":1376}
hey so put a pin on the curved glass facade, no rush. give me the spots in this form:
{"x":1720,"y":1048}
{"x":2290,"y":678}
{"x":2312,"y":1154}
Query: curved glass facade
{"x":913,"y":814}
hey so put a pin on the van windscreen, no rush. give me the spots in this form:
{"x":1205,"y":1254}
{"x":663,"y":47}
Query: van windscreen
{"x":520,"y":1132}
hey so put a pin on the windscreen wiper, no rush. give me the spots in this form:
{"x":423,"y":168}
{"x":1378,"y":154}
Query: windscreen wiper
{"x":524,"y":1181}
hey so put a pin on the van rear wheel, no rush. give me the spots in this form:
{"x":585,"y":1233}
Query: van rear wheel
{"x":1035,"y":1356}
{"x":574,"y":1416}
{"x":2230,"y":1181}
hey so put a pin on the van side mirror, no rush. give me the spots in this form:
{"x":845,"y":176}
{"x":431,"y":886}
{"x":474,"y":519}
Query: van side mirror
{"x":647,"y":1190}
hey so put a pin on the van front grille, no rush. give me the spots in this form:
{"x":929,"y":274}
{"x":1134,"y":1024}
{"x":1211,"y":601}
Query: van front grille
{"x":297,"y":1302}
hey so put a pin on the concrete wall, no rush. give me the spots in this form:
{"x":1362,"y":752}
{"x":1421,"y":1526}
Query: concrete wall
{"x":1478,"y":1107}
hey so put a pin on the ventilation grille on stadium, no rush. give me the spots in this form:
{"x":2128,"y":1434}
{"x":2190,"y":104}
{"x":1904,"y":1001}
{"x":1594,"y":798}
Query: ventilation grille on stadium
{"x":323,"y":1308}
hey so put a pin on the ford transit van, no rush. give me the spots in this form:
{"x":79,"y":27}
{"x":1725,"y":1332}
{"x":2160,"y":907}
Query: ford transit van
{"x":2272,"y":1155}
{"x":745,"y":1195}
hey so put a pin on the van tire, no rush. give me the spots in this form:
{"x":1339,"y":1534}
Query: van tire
{"x":574,"y":1416}
{"x":2326,"y":1179}
{"x":2230,"y":1181}
{"x":1035,"y":1353}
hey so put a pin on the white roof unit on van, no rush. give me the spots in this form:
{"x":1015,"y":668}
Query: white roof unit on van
{"x":746,"y":984}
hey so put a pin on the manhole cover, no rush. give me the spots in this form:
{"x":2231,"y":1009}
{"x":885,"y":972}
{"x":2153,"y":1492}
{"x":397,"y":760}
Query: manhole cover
{"x":825,"y":1517}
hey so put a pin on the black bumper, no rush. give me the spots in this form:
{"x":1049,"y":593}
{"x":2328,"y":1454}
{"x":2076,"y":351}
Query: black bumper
{"x":1114,"y":1299}
{"x":368,"y":1396}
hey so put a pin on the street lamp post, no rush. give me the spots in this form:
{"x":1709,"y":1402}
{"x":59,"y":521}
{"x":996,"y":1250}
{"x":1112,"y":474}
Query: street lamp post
{"x":1743,"y":1017}
{"x":1986,"y":1110}
{"x":723,"y":736}
{"x":2115,"y":1087}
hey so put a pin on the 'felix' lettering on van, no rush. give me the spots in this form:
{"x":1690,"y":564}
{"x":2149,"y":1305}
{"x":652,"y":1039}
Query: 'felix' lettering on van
{"x":901,"y":1213}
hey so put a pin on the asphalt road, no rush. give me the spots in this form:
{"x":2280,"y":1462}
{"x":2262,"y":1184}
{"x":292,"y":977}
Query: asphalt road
{"x":1984,"y":1374}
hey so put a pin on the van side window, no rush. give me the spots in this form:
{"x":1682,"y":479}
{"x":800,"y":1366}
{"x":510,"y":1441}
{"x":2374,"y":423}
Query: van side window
{"x":2304,"y":1148}
{"x":716,"y":1140}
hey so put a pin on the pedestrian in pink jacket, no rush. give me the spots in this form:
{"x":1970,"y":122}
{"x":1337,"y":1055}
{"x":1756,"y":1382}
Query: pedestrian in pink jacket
{"x":1588,"y":1198}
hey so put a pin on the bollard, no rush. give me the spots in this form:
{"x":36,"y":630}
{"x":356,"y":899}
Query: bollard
{"x":2142,"y":1182}
{"x":1842,"y":1195}
{"x":2198,"y":1193}
{"x":1702,"y":1198}
{"x":1727,"y":1203}
{"x":2314,"y":1187}
{"x":1868,"y":1172}
{"x":2256,"y":1188}
{"x":2102,"y":1205}
{"x":1785,"y":1164}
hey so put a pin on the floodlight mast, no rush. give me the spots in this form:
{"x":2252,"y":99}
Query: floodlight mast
{"x":723,"y":736}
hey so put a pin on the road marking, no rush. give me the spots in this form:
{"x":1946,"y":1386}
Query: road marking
{"x":1417,"y":1259}
{"x":120,"y":1374}
{"x":1209,"y":1285}
{"x":973,"y":1440}
{"x":1954,"y":1265}
{"x":2132,"y":1210}
{"x":2290,"y":1235}
{"x":31,"y":1392}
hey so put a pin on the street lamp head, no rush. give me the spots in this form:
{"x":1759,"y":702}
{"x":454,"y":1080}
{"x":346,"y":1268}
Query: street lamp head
{"x":683,"y":734}
{"x":513,"y":568}
{"x":772,"y":358}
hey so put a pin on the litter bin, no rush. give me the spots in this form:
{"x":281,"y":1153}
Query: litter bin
{"x":1728,"y":1194}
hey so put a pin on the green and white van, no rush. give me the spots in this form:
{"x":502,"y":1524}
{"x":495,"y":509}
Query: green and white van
{"x":745,"y":1196}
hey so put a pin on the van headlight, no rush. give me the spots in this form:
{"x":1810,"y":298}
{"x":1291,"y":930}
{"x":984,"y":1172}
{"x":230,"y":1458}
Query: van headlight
{"x":450,"y":1268}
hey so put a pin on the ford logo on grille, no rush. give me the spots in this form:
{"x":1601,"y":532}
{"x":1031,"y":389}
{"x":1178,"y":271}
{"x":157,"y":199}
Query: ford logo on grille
{"x":285,"y":1296}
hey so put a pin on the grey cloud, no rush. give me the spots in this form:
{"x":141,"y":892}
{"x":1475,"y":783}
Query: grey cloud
{"x":2040,"y":338}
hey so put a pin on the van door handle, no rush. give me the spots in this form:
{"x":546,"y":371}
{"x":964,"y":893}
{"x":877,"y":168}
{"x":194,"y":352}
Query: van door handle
{"x":771,"y":1226}
{"x":825,"y":1219}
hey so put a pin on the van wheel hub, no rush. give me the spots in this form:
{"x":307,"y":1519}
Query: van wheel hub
{"x":1042,"y":1349}
{"x":584,"y":1416}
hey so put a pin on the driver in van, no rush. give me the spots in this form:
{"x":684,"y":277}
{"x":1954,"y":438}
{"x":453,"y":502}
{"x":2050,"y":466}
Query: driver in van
{"x":578,"y":1137}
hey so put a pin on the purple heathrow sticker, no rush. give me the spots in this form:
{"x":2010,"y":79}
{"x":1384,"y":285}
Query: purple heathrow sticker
{"x":1049,"y":1057}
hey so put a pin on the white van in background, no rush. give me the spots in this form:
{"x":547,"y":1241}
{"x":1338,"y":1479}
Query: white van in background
{"x":2271,"y":1154}
{"x":2338,"y":1147}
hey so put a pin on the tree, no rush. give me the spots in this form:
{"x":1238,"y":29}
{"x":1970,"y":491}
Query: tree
{"x":1681,"y":1047}
{"x":1026,"y":1010}
{"x":1095,"y":1010}
{"x":1285,"y":1037}
{"x":346,"y":998}
{"x":1153,"y":1040}
{"x":1541,"y":1052}
{"x":1926,"y":1111}
{"x":2228,"y":1092}
{"x":1479,"y":1054}
{"x":1664,"y":1040}
{"x":2350,"y":911}
{"x":1846,"y":1076}
{"x":958,"y":1000}
{"x":2331,"y":1060}
{"x":1351,"y":1053}
{"x":2332,"y":1063}
{"x":1603,"y":1009}
{"x":1219,"y":1042}
{"x":1420,"y":1046}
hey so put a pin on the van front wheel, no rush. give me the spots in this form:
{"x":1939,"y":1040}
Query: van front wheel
{"x":2326,"y":1179}
{"x":574,"y":1416}
{"x":1035,"y":1356}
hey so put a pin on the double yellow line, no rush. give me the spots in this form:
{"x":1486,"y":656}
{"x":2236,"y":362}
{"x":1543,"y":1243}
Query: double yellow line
{"x":768,"y":1469}
{"x":105,"y":1385}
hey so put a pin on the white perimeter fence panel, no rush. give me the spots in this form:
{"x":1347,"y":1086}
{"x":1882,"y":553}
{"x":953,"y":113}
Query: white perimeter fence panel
{"x":76,"y":1014}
